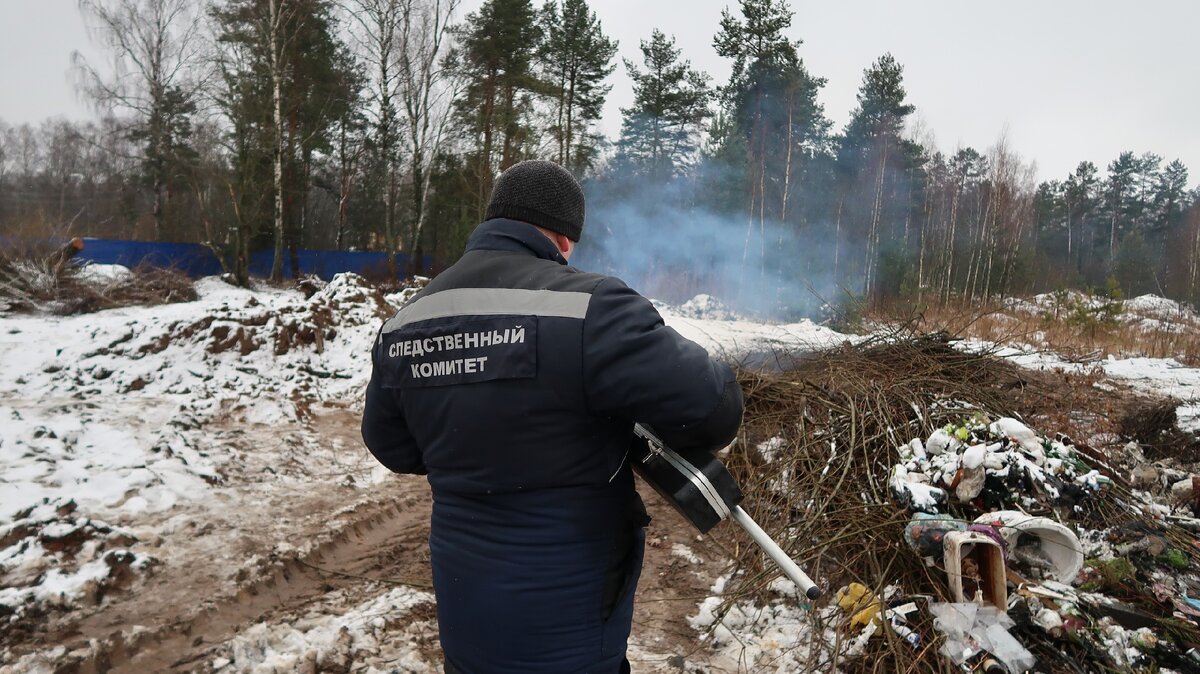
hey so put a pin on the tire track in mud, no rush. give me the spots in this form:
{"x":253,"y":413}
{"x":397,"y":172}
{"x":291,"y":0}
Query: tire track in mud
{"x":361,"y":549}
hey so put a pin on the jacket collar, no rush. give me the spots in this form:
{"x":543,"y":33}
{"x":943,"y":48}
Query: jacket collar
{"x":513,"y":236}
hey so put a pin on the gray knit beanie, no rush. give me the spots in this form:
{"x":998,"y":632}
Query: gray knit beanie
{"x":541,"y":193}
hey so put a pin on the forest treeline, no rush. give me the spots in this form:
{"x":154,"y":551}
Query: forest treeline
{"x":381,"y":125}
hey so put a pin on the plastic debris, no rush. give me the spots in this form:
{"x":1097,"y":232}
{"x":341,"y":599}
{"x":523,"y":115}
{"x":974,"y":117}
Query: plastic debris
{"x":1185,"y":491}
{"x":857,"y":600}
{"x":1050,"y":621}
{"x":1144,"y":476}
{"x":941,"y":442}
{"x":992,"y":466}
{"x":1029,"y":441}
{"x":925,"y":532}
{"x":968,"y":482}
{"x":975,"y":568}
{"x":913,"y":490}
{"x":1039,"y":543}
{"x":971,"y":630}
{"x":868,"y":612}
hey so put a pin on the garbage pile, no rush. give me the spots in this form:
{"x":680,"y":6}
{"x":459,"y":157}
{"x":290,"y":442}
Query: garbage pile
{"x":953,"y":536}
{"x":1008,"y":472}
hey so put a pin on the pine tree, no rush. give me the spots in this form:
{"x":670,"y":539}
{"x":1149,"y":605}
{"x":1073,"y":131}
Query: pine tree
{"x":756,"y":43}
{"x":881,"y":112}
{"x":1170,"y":196}
{"x":876,"y":164}
{"x":576,"y":57}
{"x":773,"y":128}
{"x":1079,"y":197}
{"x":495,"y":58}
{"x":1119,"y":196}
{"x":660,"y":133}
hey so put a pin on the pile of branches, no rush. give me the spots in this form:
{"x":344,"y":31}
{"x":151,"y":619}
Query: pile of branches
{"x":145,"y":285}
{"x":820,"y":439}
{"x":46,"y":277}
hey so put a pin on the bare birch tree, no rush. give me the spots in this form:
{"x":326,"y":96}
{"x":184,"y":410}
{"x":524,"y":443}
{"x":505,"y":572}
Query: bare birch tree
{"x":156,"y":47}
{"x":425,"y":91}
{"x":377,"y":43}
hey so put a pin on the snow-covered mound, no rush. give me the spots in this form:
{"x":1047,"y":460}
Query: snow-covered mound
{"x":706,"y":307}
{"x":103,"y":274}
{"x":1146,"y":313}
{"x":262,"y":354}
{"x":110,"y":416}
{"x":1159,"y":307}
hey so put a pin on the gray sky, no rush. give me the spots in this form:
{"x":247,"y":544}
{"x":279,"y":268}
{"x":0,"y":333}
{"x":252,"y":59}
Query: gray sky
{"x":1069,"y":80}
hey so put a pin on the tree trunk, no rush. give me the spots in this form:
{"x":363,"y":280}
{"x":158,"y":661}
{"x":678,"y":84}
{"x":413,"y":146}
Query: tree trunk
{"x":787,"y":165}
{"x":873,"y":233}
{"x":485,"y":157}
{"x":344,"y":184}
{"x":277,"y":132}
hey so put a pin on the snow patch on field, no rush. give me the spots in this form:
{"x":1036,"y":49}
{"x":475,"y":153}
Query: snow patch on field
{"x":373,"y":637}
{"x":108,"y":408}
{"x":113,"y":412}
{"x":1152,"y":376}
{"x":684,"y":552}
{"x":708,"y":323}
{"x":779,"y":637}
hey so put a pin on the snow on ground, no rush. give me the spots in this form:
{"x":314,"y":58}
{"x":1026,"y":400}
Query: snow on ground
{"x":103,"y":408}
{"x":707,"y":322}
{"x":1163,"y":377}
{"x":1152,"y":376}
{"x":780,"y":637}
{"x":53,"y":556}
{"x":105,"y":435}
{"x":375,"y":636}
{"x":113,"y":414}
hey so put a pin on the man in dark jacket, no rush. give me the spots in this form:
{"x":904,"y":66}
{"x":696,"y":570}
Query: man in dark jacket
{"x":513,"y":381}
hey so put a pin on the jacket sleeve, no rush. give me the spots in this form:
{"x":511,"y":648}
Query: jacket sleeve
{"x":637,"y":368}
{"x":384,"y":429}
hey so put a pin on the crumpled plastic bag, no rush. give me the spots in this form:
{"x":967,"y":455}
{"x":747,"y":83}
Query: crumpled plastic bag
{"x":972,"y":628}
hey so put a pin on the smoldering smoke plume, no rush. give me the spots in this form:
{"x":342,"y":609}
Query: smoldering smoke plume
{"x":662,"y":240}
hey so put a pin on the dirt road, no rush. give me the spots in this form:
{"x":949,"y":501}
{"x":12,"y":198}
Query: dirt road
{"x":287,"y":545}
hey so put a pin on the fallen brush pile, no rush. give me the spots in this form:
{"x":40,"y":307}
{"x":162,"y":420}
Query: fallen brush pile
{"x":40,"y":280}
{"x":948,"y":535}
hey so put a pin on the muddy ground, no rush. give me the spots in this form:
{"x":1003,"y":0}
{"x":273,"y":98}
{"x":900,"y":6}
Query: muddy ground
{"x":282,"y":541}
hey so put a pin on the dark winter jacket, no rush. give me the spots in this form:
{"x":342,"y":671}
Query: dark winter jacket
{"x":513,"y":381}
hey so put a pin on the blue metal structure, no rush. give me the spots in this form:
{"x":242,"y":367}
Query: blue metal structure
{"x":197,"y":260}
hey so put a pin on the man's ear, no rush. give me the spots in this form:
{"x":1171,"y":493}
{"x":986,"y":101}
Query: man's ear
{"x":563,"y":242}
